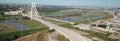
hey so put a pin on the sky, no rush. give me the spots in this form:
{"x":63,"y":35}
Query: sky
{"x":102,"y":3}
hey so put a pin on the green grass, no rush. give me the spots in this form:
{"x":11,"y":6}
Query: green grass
{"x":10,"y":17}
{"x":14,"y":35}
{"x":83,"y":22}
{"x":103,"y":36}
{"x":53,"y":21}
{"x":62,"y":38}
{"x":41,"y":36}
{"x":100,"y":35}
{"x":90,"y":13}
{"x":31,"y":23}
{"x":6,"y":28}
{"x":95,"y":13}
{"x":107,"y":16}
{"x":25,"y":21}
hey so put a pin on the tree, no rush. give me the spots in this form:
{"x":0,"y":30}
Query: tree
{"x":2,"y":13}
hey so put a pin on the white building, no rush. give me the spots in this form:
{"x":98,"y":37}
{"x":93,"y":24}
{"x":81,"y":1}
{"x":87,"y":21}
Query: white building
{"x":13,"y":12}
{"x":83,"y":26}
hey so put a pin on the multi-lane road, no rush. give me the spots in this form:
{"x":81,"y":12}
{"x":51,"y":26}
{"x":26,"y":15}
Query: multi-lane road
{"x":71,"y":35}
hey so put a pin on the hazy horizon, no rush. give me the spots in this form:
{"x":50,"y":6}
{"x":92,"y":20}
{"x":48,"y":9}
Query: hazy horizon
{"x":96,"y":3}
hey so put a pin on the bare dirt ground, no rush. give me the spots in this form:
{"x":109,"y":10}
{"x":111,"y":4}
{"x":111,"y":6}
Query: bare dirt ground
{"x":31,"y":37}
{"x":87,"y":35}
{"x":53,"y":36}
{"x":114,"y":36}
{"x":97,"y":30}
{"x":34,"y":37}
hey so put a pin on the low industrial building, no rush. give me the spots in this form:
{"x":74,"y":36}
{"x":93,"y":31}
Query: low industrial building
{"x":83,"y":26}
{"x":13,"y":12}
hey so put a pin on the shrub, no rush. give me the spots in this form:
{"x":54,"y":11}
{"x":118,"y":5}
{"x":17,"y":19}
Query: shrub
{"x":52,"y":30}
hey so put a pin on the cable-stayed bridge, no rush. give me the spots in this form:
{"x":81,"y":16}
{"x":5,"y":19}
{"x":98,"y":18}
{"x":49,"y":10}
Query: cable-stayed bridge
{"x":71,"y":35}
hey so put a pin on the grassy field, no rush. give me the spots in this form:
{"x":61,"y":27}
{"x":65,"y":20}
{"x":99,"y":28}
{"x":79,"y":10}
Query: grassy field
{"x":88,"y":13}
{"x":38,"y":36}
{"x":64,"y":14}
{"x":100,"y":35}
{"x":62,"y":38}
{"x":41,"y":36}
{"x":106,"y":16}
{"x":23,"y":20}
{"x":93,"y":14}
{"x":14,"y":35}
{"x":88,"y":16}
{"x":53,"y":21}
{"x":6,"y":28}
{"x":31,"y":24}
{"x":10,"y":36}
{"x":10,"y":17}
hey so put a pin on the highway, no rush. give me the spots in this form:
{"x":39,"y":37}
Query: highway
{"x":71,"y":35}
{"x":60,"y":20}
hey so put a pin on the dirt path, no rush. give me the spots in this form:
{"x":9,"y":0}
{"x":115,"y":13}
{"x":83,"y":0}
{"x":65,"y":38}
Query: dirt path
{"x":53,"y":36}
{"x":87,"y":35}
{"x":31,"y":37}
